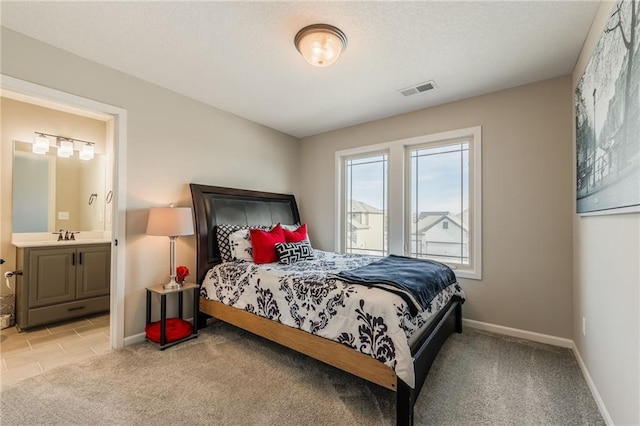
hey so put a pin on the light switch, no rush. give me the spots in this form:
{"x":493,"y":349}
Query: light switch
{"x":63,"y":215}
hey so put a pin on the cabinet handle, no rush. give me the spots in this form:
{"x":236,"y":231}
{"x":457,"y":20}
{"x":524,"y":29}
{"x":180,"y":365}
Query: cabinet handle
{"x":77,"y":308}
{"x":80,"y":258}
{"x":73,"y":259}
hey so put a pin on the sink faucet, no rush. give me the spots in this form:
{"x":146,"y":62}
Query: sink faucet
{"x":66,"y":235}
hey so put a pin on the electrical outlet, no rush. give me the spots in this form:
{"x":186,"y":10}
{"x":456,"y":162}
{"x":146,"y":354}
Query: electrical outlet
{"x":63,"y":215}
{"x":584,"y":326}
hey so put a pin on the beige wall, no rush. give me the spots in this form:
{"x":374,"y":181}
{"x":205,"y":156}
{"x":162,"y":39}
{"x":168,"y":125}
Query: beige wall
{"x":527,"y":197}
{"x":607,"y":289}
{"x":171,"y":141}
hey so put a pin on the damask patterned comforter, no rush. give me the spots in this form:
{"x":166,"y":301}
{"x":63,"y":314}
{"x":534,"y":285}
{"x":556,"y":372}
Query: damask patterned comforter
{"x":305,"y":296}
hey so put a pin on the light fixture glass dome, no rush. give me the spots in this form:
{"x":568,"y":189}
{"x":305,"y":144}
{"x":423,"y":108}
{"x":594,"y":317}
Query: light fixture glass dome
{"x":320,"y":44}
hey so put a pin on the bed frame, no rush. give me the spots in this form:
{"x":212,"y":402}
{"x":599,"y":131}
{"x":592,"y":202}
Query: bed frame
{"x":217,"y":205}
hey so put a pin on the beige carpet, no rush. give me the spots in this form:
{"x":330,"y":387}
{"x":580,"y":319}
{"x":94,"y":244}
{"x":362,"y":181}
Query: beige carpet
{"x":229,"y":377}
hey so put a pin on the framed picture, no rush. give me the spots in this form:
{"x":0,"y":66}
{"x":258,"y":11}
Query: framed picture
{"x":607,"y":101}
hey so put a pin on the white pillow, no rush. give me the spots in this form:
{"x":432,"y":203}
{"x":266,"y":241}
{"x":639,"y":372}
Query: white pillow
{"x":241,"y":248}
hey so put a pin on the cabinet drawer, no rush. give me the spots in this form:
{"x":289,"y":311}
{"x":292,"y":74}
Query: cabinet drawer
{"x":68,"y":310}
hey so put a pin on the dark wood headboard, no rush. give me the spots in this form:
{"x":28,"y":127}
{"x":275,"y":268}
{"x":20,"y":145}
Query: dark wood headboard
{"x":214,"y":205}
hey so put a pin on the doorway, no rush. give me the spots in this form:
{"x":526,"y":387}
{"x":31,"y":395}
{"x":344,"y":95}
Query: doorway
{"x":116,"y":119}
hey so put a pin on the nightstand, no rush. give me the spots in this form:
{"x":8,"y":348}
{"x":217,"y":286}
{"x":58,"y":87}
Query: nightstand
{"x":179,"y":329}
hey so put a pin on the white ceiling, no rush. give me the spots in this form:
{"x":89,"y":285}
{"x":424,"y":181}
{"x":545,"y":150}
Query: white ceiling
{"x":240,"y":57}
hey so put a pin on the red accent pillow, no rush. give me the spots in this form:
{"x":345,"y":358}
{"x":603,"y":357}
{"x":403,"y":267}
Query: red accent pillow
{"x":176,"y":329}
{"x":264,"y":244}
{"x":296,"y":236}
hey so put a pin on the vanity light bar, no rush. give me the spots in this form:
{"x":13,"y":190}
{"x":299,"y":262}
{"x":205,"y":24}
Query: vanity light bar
{"x":65,"y":146}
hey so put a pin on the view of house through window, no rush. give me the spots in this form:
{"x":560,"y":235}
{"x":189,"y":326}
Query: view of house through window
{"x":366,"y":205}
{"x":419,"y":197}
{"x":439,"y":202}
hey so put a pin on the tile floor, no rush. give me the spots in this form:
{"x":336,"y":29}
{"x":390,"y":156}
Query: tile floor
{"x":40,"y":349}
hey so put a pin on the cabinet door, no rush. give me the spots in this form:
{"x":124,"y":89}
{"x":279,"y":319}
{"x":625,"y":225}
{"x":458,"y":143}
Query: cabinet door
{"x":52,"y":276}
{"x":94,"y":269}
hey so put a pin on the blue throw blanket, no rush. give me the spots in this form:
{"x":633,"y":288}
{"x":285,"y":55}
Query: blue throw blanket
{"x":417,"y":281}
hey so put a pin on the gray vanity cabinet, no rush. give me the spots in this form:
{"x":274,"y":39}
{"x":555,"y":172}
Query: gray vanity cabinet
{"x":50,"y":275}
{"x":93,"y":271}
{"x":60,"y":283}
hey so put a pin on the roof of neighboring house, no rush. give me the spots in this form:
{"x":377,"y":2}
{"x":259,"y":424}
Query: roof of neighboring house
{"x":362,"y":207}
{"x":429,"y":219}
{"x":422,"y":215}
{"x":464,"y":216}
{"x":357,"y":225}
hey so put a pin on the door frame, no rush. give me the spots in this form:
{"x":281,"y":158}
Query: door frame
{"x":118,"y":122}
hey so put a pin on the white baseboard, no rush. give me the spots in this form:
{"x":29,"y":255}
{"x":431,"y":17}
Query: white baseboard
{"x":592,"y":386}
{"x":136,"y":338}
{"x":550,"y":340}
{"x":522,"y":334}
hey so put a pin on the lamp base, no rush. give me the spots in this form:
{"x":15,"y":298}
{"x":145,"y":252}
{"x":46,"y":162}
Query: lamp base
{"x":172,"y":285}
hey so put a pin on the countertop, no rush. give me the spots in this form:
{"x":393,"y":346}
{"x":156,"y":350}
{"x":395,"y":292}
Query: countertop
{"x":54,"y":243}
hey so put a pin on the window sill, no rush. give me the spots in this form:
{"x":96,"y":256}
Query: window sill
{"x":468,"y":274}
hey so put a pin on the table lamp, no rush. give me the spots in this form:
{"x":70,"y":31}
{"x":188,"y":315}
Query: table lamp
{"x":170,"y":222}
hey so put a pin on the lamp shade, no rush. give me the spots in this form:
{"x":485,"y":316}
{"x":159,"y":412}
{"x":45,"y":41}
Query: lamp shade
{"x":170,"y":221}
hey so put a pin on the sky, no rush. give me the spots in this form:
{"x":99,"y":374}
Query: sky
{"x":438,"y":183}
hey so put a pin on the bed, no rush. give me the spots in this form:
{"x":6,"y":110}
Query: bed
{"x":214,"y":206}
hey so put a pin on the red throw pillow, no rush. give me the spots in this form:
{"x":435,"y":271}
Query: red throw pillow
{"x":264,"y":244}
{"x":296,"y":236}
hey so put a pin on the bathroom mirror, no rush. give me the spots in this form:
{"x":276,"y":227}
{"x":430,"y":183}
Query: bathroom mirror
{"x":52,"y":193}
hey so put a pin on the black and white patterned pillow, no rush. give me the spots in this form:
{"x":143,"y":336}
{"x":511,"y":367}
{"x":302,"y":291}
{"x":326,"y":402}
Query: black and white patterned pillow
{"x":294,"y":252}
{"x":241,"y":247}
{"x":222,"y":236}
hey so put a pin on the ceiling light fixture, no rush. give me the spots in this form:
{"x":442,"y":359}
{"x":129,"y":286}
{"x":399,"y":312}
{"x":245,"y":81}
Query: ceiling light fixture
{"x":320,"y":44}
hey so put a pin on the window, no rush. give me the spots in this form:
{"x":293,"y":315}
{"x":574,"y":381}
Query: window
{"x":418,"y":197}
{"x":365,"y":204}
{"x":439,"y":188}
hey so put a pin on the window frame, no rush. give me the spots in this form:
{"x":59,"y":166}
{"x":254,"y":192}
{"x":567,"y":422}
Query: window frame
{"x":398,"y":229}
{"x":474,"y":269}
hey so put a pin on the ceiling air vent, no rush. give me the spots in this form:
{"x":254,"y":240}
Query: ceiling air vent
{"x":419,"y":88}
